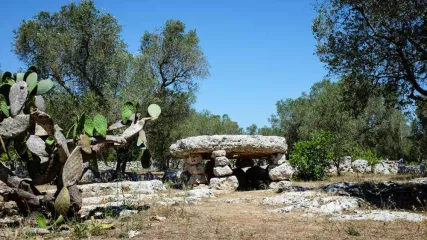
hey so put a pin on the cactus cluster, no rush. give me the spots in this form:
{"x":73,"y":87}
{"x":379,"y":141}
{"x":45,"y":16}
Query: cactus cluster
{"x":25,"y":124}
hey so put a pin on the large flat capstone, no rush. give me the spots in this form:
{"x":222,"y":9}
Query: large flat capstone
{"x":235,"y":145}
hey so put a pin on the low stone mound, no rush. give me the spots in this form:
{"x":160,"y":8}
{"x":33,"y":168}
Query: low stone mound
{"x":251,"y":146}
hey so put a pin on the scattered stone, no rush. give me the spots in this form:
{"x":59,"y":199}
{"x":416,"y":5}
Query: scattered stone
{"x":381,"y":215}
{"x":278,"y":186}
{"x":197,"y":179}
{"x":282,"y":172}
{"x":396,"y":195}
{"x":158,"y":218}
{"x":222,"y":171}
{"x":128,"y":213}
{"x":203,"y":192}
{"x":361,"y":166}
{"x":123,"y":187}
{"x":386,"y":167}
{"x":196,"y":169}
{"x":218,"y":153}
{"x":133,"y":233}
{"x":221,"y":161}
{"x":226,"y":183}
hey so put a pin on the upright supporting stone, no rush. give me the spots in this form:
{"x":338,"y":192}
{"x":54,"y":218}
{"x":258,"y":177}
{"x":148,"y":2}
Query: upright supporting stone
{"x":223,"y":179}
{"x":197,"y":170}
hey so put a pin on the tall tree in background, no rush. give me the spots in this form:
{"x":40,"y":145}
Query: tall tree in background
{"x":175,"y":61}
{"x":79,"y":47}
{"x":373,"y":43}
{"x":378,"y":128}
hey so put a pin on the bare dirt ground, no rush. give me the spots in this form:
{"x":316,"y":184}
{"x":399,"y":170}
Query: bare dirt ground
{"x":238,"y":215}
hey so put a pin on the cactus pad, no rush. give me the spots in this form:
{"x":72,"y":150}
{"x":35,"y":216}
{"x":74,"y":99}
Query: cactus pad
{"x":154,"y":110}
{"x":63,"y":202}
{"x":73,"y":168}
{"x":100,"y":124}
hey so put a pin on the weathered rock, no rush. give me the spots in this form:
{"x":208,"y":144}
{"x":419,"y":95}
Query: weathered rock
{"x":400,"y":195}
{"x":344,"y":167}
{"x":240,"y":145}
{"x":197,"y":179}
{"x":386,"y":167}
{"x":278,"y":159}
{"x":218,"y":153}
{"x":222,"y":171}
{"x":12,"y":127}
{"x":17,"y":97}
{"x":280,"y":184}
{"x":201,"y":192}
{"x":381,"y":215}
{"x":194,"y":159}
{"x":245,"y":162}
{"x":225,"y":183}
{"x":123,"y":187}
{"x":196,"y":169}
{"x":361,"y":166}
{"x":282,"y":172}
{"x":221,"y":161}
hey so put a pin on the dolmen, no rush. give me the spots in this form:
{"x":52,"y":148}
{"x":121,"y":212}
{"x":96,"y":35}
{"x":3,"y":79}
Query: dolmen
{"x":218,"y":149}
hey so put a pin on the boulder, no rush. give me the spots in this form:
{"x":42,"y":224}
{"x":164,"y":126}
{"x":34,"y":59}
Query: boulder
{"x":197,"y":179}
{"x":221,"y":161}
{"x":280,"y":184}
{"x":251,"y":146}
{"x":218,"y":153}
{"x":226,"y":183}
{"x":386,"y":167}
{"x":281,"y":172}
{"x":222,"y":171}
{"x":361,"y":166}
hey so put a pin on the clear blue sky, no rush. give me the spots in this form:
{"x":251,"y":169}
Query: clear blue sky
{"x":259,"y":51}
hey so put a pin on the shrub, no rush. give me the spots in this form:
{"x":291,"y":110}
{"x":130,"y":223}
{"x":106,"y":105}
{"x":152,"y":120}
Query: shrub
{"x":368,"y":155}
{"x":310,"y":158}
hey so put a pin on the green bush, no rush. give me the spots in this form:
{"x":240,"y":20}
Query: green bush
{"x":368,"y":155}
{"x":310,"y":158}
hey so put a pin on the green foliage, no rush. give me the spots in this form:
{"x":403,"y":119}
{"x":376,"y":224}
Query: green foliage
{"x":31,"y":80}
{"x":41,"y":221}
{"x":368,"y":155}
{"x":374,"y":44}
{"x":310,"y":158}
{"x":100,"y":124}
{"x":127,"y":110}
{"x":3,"y":106}
{"x":50,"y":141}
{"x":352,"y":231}
{"x":44,"y":86}
{"x":154,"y":110}
{"x":62,"y":202}
{"x":89,"y":125}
